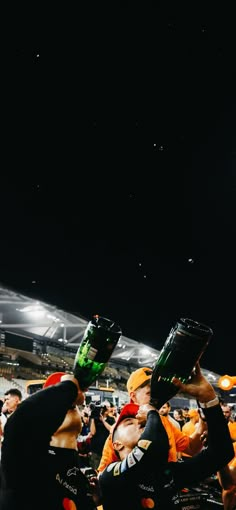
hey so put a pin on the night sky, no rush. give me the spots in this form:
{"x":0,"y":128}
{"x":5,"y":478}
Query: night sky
{"x":119,"y":179}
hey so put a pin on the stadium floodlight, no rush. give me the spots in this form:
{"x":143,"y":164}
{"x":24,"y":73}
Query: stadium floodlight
{"x":145,"y":351}
{"x":226,"y":382}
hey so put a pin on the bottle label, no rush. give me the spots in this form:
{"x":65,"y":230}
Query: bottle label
{"x":91,"y":354}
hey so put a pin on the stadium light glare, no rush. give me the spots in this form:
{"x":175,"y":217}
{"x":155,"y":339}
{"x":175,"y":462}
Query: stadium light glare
{"x":226,"y":382}
{"x":31,"y":308}
{"x":145,"y":351}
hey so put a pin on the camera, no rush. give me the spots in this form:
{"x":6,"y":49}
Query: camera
{"x":96,"y":410}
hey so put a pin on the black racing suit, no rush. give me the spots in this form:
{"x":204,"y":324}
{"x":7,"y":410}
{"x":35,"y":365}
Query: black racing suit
{"x":35,"y":475}
{"x":146,"y":480}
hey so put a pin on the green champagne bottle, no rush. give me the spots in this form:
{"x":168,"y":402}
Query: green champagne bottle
{"x":98,"y":343}
{"x":182,"y":349}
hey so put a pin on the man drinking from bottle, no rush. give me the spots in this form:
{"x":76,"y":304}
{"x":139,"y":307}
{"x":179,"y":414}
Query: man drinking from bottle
{"x":138,"y":386}
{"x":142,"y":477}
{"x":40,"y":462}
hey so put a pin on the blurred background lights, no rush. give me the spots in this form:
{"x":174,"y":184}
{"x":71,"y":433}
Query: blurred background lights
{"x":226,"y":382}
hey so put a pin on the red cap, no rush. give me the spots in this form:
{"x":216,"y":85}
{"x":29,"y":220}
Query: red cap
{"x":53,"y":379}
{"x":128,"y":411}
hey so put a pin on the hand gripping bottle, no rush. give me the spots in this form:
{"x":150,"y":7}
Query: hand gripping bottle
{"x":182,"y":349}
{"x":98,"y":343}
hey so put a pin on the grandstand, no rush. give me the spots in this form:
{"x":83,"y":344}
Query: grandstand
{"x":37,"y":339}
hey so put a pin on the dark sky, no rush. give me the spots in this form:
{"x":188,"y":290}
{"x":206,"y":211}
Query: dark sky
{"x":119,"y":178}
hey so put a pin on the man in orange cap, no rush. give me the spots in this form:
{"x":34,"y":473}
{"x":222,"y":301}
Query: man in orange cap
{"x":39,"y":465}
{"x":138,"y":386}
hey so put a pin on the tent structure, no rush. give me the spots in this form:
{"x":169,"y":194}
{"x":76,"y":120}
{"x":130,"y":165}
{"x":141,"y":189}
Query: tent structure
{"x":29,"y":319}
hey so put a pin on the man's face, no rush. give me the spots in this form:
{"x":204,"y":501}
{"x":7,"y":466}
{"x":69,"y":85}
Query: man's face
{"x":226,"y":412}
{"x":141,"y":396}
{"x":10,"y":403}
{"x":164,"y":410}
{"x":129,"y":432}
{"x":177,"y":415}
{"x":85,"y":418}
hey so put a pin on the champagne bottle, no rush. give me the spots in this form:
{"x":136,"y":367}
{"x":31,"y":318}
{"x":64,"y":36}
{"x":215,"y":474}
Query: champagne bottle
{"x":98,"y":343}
{"x":182,"y":349}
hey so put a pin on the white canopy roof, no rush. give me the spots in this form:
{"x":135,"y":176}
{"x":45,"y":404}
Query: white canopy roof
{"x":36,"y":319}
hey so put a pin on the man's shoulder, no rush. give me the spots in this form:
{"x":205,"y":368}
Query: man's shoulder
{"x":174,"y":422}
{"x":169,"y":424}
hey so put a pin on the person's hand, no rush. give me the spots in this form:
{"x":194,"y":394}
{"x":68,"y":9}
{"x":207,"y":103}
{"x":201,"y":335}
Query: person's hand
{"x":143,"y":412}
{"x":92,"y":478}
{"x":95,"y":491}
{"x":80,"y":397}
{"x":198,"y":386}
{"x":5,"y":408}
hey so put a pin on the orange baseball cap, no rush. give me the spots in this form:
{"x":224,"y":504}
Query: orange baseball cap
{"x":53,"y":379}
{"x":138,"y":377}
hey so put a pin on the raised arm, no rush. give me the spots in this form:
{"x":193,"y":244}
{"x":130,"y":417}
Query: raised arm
{"x":151,"y":450}
{"x":218,"y":453}
{"x":40,"y":415}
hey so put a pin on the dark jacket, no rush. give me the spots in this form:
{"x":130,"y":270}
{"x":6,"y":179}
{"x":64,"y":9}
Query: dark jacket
{"x":35,"y":475}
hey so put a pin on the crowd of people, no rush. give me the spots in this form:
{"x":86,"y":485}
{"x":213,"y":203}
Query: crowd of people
{"x":58,"y":453}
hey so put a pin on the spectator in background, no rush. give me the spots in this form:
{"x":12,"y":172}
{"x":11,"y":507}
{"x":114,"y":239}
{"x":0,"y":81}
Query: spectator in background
{"x":84,"y":441}
{"x":165,"y":411}
{"x":190,"y":426}
{"x":113,"y":412}
{"x":12,"y":398}
{"x":185,"y":414}
{"x":231,"y":424}
{"x":85,"y":423}
{"x":100,"y":427}
{"x":179,"y":417}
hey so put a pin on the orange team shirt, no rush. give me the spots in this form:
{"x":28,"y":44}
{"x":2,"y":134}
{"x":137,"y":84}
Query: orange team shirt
{"x":232,"y":463}
{"x":178,"y":442}
{"x":232,"y":429}
{"x":188,"y":429}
